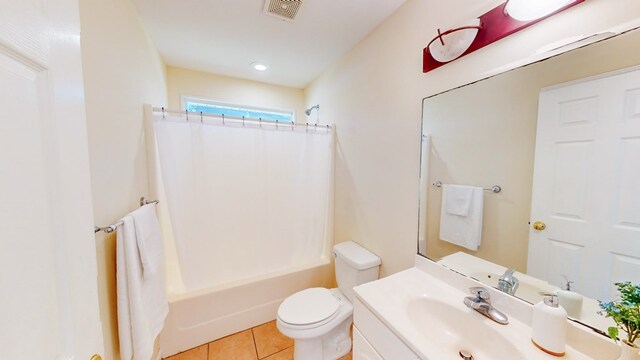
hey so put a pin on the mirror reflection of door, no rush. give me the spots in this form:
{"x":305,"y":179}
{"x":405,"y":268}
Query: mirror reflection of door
{"x":586,"y":185}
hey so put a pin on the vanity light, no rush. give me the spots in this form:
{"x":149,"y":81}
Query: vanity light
{"x":457,"y":41}
{"x":528,"y":10}
{"x":503,"y":20}
{"x":259,"y":66}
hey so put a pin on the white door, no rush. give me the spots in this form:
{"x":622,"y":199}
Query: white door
{"x":48,"y":288}
{"x":587,"y":184}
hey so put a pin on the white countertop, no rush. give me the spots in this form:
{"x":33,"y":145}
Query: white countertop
{"x":388,"y":299}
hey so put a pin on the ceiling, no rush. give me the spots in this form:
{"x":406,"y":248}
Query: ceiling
{"x":226,"y":36}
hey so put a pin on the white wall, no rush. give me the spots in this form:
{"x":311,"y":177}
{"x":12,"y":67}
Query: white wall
{"x":122,"y":71}
{"x":374,"y":95}
{"x":232,"y":90}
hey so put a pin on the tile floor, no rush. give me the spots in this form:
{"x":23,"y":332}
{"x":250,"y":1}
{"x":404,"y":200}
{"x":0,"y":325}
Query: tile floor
{"x":263,"y":342}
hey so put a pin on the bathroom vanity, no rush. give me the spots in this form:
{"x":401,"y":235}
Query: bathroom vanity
{"x":563,"y":220}
{"x":419,"y":314}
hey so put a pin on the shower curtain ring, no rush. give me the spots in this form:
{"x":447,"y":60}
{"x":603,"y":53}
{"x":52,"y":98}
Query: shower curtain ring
{"x":242,"y":120}
{"x":223,"y":119}
{"x":187,"y":113}
{"x":306,"y":129}
{"x":315,"y":127}
{"x":163,"y":112}
{"x":276,"y":124}
{"x":260,"y":121}
{"x":328,"y":127}
{"x":201,"y":119}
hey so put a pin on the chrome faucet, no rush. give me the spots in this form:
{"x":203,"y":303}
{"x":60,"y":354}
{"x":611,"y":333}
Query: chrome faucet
{"x":508,"y":283}
{"x":480,"y":303}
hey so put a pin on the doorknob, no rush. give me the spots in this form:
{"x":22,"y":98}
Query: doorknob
{"x":96,"y":357}
{"x":539,"y":225}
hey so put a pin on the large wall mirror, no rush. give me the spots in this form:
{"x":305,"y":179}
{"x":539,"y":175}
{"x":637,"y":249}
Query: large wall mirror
{"x":561,"y":137}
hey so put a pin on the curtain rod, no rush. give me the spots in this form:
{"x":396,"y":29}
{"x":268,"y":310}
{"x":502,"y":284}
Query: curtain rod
{"x":241,"y":119}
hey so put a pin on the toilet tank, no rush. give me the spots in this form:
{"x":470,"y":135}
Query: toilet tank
{"x":355,"y":265}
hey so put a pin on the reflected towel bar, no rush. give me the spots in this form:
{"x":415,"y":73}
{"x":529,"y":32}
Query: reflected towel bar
{"x":495,"y":188}
{"x":111,"y":228}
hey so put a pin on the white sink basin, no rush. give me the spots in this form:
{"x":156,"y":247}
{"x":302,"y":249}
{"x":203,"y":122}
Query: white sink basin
{"x":452,"y":330}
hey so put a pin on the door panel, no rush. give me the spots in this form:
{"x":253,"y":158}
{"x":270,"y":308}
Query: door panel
{"x":586,"y":189}
{"x":564,"y":258}
{"x":621,"y":232}
{"x":627,"y":200}
{"x":578,"y":112}
{"x":27,"y":265}
{"x":571,"y":180}
{"x":48,"y":302}
{"x":565,"y":149}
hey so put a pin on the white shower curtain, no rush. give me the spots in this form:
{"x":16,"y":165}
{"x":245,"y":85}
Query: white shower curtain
{"x":244,"y":201}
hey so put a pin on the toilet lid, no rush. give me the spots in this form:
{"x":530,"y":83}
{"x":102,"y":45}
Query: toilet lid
{"x":308,"y":306}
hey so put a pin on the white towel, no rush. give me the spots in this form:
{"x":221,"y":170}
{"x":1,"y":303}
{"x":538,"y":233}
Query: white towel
{"x":458,"y":199}
{"x":461,"y":215}
{"x":148,"y":236}
{"x":142,"y":300}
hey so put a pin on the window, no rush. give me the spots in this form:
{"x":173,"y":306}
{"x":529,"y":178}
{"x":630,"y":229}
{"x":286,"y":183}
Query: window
{"x":249,"y":112}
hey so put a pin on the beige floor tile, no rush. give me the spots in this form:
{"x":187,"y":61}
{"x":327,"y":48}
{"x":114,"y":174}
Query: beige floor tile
{"x":199,"y":353}
{"x":237,"y":347}
{"x":269,"y":340}
{"x":286,"y":354}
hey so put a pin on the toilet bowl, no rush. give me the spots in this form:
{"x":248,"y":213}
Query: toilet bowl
{"x":319,"y":319}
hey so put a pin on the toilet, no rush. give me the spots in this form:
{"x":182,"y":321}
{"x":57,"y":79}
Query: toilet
{"x":319,"y":319}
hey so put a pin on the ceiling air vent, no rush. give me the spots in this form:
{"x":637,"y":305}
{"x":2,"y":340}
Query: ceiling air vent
{"x":282,"y":9}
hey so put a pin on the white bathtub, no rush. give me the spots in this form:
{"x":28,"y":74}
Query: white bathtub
{"x":202,"y":316}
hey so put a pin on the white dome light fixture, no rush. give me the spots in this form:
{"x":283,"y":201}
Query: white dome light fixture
{"x":457,"y":41}
{"x":259,"y":66}
{"x":529,"y":10}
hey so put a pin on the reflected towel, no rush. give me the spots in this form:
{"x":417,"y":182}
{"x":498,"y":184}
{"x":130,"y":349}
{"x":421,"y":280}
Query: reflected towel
{"x":458,"y":199}
{"x":463,"y":230}
{"x":142,"y":300}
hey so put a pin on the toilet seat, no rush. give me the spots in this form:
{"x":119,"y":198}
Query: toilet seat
{"x":309,"y":308}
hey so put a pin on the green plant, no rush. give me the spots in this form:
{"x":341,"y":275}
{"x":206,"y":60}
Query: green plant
{"x":625,"y":312}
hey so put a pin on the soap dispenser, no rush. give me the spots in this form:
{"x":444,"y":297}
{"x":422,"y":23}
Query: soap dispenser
{"x":570,"y":300}
{"x":549,"y":326}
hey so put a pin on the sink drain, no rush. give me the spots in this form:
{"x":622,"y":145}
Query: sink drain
{"x":465,"y":355}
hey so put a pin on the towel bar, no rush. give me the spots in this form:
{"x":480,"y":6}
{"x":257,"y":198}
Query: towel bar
{"x":495,"y":188}
{"x":111,"y":228}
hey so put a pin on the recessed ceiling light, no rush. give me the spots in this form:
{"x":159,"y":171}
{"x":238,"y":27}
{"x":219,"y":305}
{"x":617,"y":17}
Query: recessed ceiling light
{"x":259,"y":66}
